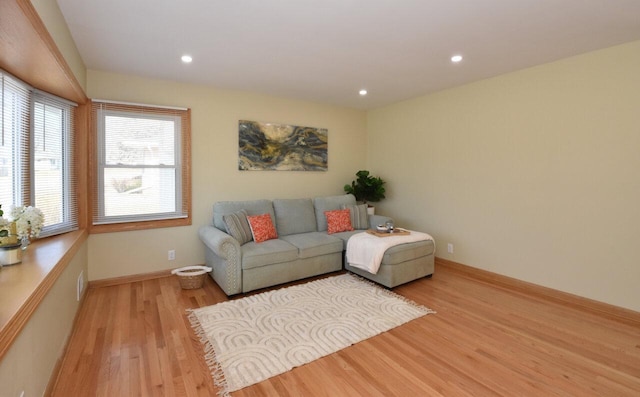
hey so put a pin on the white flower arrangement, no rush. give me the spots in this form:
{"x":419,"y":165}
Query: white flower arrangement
{"x":29,"y":221}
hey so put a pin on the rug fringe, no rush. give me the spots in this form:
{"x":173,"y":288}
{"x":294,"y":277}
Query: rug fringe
{"x":209,"y":356}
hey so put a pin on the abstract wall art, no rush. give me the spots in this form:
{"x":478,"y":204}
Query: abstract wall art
{"x":281,"y":147}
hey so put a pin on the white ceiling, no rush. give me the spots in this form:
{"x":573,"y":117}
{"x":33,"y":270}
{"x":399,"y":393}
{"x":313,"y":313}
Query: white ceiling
{"x":327,"y":50}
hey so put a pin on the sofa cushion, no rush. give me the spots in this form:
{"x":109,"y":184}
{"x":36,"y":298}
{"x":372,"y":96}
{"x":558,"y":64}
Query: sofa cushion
{"x":345,"y":236}
{"x":330,"y":203}
{"x":262,"y":227}
{"x":238,"y":226}
{"x":314,"y":244}
{"x":294,"y":216}
{"x":255,"y":207}
{"x":359,"y":216}
{"x":267,"y":253}
{"x":338,"y":221}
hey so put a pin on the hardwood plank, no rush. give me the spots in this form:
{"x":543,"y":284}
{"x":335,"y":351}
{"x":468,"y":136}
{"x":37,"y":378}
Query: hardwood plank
{"x":487,"y":339}
{"x":534,"y":291}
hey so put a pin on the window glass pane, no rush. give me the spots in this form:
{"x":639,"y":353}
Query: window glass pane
{"x":48,"y":161}
{"x":7,"y":168}
{"x":54,"y":183}
{"x":14,"y":134}
{"x":139,"y":141}
{"x":139,"y":191}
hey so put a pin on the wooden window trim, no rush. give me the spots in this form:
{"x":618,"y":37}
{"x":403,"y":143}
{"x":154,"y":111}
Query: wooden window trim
{"x":28,"y":52}
{"x":131,"y":226}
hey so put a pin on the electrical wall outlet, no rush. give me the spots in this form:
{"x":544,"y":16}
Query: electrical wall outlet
{"x":450,"y":248}
{"x":80,"y":286}
{"x":171,"y":255}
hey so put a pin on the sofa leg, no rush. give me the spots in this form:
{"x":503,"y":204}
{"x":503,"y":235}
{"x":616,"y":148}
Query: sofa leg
{"x":429,"y":275}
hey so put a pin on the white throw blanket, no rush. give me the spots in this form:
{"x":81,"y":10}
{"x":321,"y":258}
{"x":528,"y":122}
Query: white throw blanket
{"x":365,"y":251}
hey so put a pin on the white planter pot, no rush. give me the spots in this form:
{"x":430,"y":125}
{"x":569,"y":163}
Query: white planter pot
{"x":10,"y":254}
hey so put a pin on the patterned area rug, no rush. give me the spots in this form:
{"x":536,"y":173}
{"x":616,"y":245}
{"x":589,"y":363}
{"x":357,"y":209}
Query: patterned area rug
{"x":254,"y":338}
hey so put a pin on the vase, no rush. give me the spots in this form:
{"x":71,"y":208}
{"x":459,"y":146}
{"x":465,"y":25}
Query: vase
{"x":10,"y":254}
{"x":25,"y":242}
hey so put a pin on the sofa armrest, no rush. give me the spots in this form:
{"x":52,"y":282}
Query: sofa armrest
{"x":224,"y":255}
{"x":215,"y":239}
{"x":375,"y":220}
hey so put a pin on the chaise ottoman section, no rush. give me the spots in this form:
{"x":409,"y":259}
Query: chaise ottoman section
{"x":402,"y":264}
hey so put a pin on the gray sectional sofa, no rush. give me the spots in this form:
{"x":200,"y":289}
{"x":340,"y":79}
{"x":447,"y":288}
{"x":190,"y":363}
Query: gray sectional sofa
{"x":303,"y":247}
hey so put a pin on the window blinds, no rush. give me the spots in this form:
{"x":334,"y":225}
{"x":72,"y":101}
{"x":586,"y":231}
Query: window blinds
{"x":15,"y":98}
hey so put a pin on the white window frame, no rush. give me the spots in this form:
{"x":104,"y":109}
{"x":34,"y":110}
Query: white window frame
{"x":70,"y":207}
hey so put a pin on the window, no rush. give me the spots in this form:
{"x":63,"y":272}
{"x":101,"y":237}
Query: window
{"x":142,"y":165}
{"x":52,"y":162}
{"x":36,"y":146}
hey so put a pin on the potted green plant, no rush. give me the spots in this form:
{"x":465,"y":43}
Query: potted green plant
{"x":366,"y":188}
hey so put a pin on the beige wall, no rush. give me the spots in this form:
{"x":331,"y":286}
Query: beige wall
{"x":30,"y":360}
{"x":532,"y":174}
{"x":215,"y":115}
{"x":57,"y":27}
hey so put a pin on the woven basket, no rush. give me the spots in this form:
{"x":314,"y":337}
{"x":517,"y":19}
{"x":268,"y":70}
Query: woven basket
{"x":191,"y":277}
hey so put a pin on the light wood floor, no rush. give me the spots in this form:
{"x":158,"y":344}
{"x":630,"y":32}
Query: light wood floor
{"x":485,"y":340}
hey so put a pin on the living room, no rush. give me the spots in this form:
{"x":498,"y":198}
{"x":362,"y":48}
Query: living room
{"x":529,"y":174}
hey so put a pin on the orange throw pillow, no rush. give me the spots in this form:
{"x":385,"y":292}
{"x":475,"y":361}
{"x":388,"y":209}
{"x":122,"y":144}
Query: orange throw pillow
{"x":338,"y":221}
{"x":262,"y":228}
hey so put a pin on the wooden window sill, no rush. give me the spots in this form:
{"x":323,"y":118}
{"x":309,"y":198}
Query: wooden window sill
{"x":24,"y":286}
{"x":142,"y":225}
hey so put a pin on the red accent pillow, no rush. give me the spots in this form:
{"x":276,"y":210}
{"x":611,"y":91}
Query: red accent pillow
{"x":262,"y":228}
{"x":338,"y":221}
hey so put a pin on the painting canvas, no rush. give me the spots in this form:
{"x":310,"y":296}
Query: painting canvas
{"x":281,"y":147}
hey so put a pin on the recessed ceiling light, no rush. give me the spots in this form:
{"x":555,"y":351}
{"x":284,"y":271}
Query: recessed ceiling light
{"x":362,"y":92}
{"x":456,"y":58}
{"x":186,"y":58}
